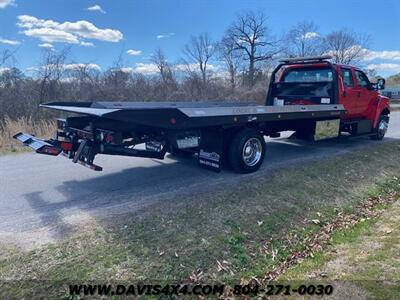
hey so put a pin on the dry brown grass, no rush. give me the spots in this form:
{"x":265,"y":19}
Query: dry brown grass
{"x":10,"y":127}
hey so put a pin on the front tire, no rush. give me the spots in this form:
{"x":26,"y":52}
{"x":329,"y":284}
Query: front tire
{"x":381,"y":128}
{"x":246,"y":151}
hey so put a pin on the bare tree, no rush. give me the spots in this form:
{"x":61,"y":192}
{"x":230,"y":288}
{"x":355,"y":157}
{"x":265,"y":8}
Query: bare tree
{"x":200,"y":49}
{"x":230,"y":57}
{"x":4,"y":56}
{"x":249,"y":35}
{"x":7,"y":56}
{"x":346,"y":47}
{"x":303,"y":40}
{"x":168,"y":83}
{"x":50,"y":73}
{"x":85,"y":82}
{"x":159,"y":59}
{"x":371,"y":73}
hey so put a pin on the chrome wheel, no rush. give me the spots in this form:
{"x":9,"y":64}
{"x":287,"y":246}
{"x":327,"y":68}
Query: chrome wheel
{"x":382,"y":127}
{"x":252,"y":152}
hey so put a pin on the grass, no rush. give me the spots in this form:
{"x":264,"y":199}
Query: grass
{"x":229,"y":234}
{"x":9,"y":127}
{"x":365,"y":255}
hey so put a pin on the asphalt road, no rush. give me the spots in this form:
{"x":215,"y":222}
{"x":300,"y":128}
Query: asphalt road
{"x":43,"y":198}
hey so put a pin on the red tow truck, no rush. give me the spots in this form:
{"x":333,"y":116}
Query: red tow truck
{"x":311,"y":96}
{"x":307,"y":81}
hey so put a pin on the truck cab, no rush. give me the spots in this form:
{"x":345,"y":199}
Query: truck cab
{"x":315,"y":80}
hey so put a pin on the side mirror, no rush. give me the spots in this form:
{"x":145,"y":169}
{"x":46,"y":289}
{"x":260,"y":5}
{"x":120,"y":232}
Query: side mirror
{"x":380,"y":84}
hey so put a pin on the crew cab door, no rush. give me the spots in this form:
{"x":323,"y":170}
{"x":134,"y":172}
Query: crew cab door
{"x":349,"y":97}
{"x":366,"y":94}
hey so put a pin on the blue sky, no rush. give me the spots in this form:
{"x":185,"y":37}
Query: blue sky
{"x":108,"y":29}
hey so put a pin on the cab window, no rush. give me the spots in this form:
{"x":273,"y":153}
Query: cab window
{"x":347,"y":78}
{"x":362,"y":79}
{"x":308,"y":75}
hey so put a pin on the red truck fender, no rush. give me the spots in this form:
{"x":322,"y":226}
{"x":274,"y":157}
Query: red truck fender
{"x":382,"y":108}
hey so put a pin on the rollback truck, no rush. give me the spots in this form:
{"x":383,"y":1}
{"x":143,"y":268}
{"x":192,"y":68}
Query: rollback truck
{"x":313,"y":97}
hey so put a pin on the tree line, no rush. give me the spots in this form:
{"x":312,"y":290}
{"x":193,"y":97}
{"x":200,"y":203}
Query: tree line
{"x":236,"y":67}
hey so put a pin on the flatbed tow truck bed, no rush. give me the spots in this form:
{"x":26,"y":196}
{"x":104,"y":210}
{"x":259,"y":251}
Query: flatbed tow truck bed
{"x":208,"y":129}
{"x":188,"y":115}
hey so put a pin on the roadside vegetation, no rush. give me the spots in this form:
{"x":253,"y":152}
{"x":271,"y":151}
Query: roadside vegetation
{"x":252,"y":230}
{"x":9,"y":127}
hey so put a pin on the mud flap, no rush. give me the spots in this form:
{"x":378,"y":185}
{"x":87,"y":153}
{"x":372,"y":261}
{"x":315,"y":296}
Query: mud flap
{"x":211,"y":149}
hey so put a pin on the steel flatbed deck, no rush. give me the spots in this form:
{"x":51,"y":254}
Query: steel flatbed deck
{"x":215,"y":131}
{"x":190,"y":115}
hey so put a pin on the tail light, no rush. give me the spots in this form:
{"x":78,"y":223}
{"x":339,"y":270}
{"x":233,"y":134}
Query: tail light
{"x":66,"y":146}
{"x":111,"y":137}
{"x":49,"y":150}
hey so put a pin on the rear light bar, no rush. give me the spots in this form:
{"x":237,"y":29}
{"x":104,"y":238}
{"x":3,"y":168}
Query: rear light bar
{"x":49,"y":150}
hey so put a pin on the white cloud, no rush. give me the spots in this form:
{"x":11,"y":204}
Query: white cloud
{"x":127,"y":69}
{"x":5,"y":3}
{"x":187,"y":67}
{"x":50,"y":31}
{"x":311,"y":35}
{"x":26,"y":21}
{"x":193,"y":67}
{"x":9,"y":42}
{"x":182,"y":67}
{"x":50,"y":35}
{"x":146,"y":69}
{"x":86,"y":29}
{"x":96,"y":8}
{"x":2,"y":70}
{"x":133,"y":52}
{"x":73,"y":67}
{"x":32,"y":70}
{"x":385,"y":67}
{"x":151,"y":69}
{"x":371,"y":55}
{"x":86,"y":44}
{"x":163,"y":36}
{"x":46,"y":45}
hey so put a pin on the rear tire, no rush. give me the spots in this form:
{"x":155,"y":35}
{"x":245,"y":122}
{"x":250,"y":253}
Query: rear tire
{"x":247,"y":150}
{"x":381,"y":128}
